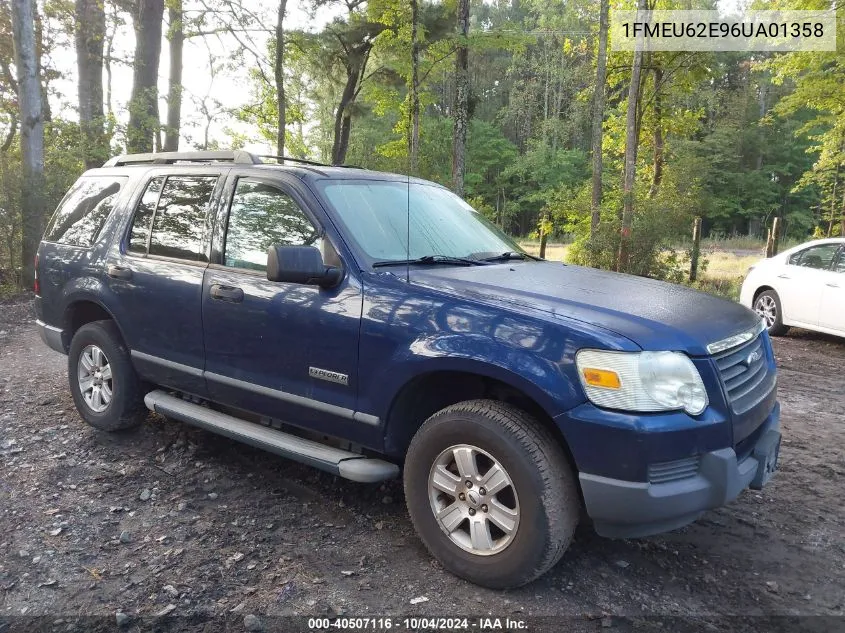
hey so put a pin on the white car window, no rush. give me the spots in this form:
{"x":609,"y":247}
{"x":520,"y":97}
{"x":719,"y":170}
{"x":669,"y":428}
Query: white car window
{"x":839,"y":267}
{"x":819,"y":257}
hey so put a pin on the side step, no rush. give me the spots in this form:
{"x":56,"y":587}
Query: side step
{"x":334,"y":460}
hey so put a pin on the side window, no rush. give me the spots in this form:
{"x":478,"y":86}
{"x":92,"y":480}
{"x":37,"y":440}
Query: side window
{"x":179,"y":219}
{"x":840,"y":263}
{"x":140,"y":234}
{"x":262,"y":215}
{"x":82,"y":214}
{"x":819,"y":257}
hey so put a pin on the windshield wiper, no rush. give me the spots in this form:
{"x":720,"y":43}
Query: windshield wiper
{"x":507,"y":256}
{"x":432,"y":260}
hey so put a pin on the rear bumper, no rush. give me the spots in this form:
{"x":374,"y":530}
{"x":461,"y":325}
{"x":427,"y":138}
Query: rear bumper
{"x":52,"y":336}
{"x":629,"y":509}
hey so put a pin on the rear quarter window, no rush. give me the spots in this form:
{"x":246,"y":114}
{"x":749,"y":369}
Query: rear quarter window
{"x":84,"y":210}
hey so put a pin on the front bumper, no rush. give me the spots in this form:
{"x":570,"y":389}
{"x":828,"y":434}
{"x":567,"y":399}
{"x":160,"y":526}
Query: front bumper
{"x":629,"y":509}
{"x":52,"y":336}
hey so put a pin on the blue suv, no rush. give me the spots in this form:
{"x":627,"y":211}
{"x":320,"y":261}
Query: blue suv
{"x":367,"y":323}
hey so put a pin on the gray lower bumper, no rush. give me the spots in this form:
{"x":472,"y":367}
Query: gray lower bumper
{"x":630,"y":509}
{"x":52,"y":336}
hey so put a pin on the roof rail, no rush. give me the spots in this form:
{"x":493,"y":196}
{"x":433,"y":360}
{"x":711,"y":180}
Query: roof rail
{"x":168,"y":158}
{"x":303,"y":161}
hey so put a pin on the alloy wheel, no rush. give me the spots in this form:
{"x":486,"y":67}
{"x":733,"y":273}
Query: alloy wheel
{"x":95,"y":378}
{"x":766,"y":307}
{"x":473,"y":499}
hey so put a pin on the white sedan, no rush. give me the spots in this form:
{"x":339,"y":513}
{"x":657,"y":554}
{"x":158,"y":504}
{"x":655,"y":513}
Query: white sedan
{"x":802,"y":287}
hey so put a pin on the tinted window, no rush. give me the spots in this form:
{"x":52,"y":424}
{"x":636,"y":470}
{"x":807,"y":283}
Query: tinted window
{"x":815,"y":257}
{"x":82,"y":213}
{"x":144,"y":215}
{"x":263,"y":215}
{"x":179,"y":219}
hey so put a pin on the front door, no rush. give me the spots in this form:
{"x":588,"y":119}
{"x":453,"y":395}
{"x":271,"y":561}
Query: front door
{"x":801,"y":282}
{"x":282,"y":350}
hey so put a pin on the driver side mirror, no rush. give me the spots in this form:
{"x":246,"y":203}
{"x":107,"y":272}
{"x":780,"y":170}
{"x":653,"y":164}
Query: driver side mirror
{"x":300,"y":265}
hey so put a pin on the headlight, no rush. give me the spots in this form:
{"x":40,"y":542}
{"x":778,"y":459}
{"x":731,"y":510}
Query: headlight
{"x":641,"y":381}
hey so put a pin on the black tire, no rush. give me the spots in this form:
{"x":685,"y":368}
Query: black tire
{"x":542,"y":478}
{"x":125,"y":410}
{"x":777,"y":328}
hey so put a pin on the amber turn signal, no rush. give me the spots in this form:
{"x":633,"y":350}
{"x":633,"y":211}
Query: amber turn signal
{"x":601,"y":378}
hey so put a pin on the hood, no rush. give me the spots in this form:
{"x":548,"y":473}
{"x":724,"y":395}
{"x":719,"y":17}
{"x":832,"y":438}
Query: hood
{"x":653,"y":314}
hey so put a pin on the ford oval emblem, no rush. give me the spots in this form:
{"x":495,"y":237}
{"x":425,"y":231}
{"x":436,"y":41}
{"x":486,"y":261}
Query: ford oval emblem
{"x":753,"y":357}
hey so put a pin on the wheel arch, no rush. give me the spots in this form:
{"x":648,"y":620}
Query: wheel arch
{"x":82,"y":310}
{"x":760,"y":290}
{"x":429,"y":392}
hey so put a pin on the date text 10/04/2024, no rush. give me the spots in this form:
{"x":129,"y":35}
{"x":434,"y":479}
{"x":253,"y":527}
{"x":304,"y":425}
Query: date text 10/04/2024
{"x":481,"y":624}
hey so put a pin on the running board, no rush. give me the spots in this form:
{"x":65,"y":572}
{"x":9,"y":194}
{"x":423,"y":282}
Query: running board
{"x":334,"y":460}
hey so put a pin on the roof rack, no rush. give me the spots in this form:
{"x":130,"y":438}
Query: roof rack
{"x":224,"y":156}
{"x":303,"y":161}
{"x":168,"y":158}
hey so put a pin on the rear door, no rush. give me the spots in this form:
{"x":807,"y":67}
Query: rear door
{"x":832,"y":313}
{"x":801,"y":282}
{"x":283,"y":350}
{"x":157,"y":272}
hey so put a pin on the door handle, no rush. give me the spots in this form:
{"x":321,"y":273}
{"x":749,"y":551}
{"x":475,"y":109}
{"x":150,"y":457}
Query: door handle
{"x":832,"y":285}
{"x":783,"y":277}
{"x":226,"y":293}
{"x":119,"y":272}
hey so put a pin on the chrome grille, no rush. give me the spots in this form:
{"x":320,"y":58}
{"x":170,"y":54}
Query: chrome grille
{"x":745,"y":374}
{"x":663,"y":472}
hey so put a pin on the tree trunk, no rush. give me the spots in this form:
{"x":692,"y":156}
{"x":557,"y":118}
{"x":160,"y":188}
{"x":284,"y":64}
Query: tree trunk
{"x":762,"y":108}
{"x":659,"y":159}
{"x":842,"y":225}
{"x":279,"y":71}
{"x":32,"y":134}
{"x":143,"y":106}
{"x":776,"y":231}
{"x":630,"y":165}
{"x":696,"y":249}
{"x":342,"y":120}
{"x":414,"y":140}
{"x":356,"y":66}
{"x":107,"y":58}
{"x":46,"y":111}
{"x":832,"y":220}
{"x":176,"y":39}
{"x":461,"y":109}
{"x":598,"y":117}
{"x":90,"y":35}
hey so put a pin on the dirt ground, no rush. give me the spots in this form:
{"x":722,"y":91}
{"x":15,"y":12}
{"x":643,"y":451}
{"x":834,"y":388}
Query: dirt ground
{"x":172,"y":520}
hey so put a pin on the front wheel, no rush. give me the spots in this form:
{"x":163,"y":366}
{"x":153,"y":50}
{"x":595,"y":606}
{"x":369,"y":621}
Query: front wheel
{"x":767,"y":305}
{"x":490,"y":493}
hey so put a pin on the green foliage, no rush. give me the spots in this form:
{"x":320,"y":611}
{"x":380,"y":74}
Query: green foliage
{"x":736,"y":138}
{"x":657,"y":224}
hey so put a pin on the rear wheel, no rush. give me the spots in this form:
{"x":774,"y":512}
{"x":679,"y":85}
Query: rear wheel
{"x":767,"y":305}
{"x":490,"y":493}
{"x":105,"y":387}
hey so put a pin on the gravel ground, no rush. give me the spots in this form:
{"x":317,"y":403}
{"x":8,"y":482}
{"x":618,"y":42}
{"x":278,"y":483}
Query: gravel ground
{"x":172,"y":520}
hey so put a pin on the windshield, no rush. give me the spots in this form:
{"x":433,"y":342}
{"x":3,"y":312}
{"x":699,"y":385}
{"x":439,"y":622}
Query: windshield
{"x":375,"y":214}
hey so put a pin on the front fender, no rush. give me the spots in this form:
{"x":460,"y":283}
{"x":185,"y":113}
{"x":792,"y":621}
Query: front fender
{"x":546,"y":381}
